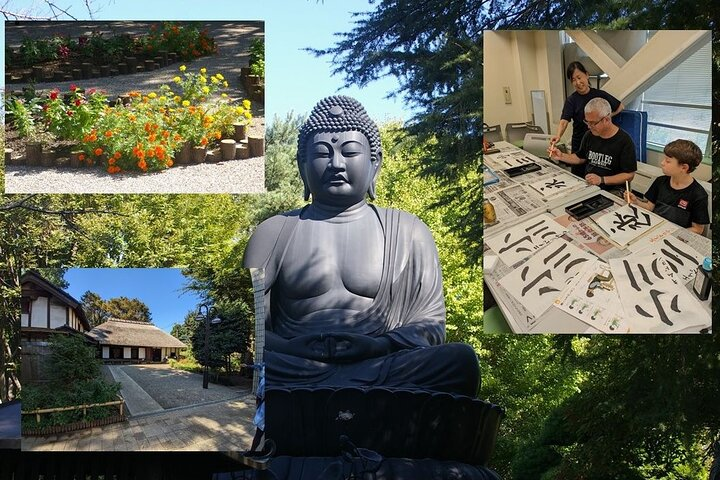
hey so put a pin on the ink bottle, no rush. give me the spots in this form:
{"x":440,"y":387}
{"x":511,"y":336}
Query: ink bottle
{"x":703,"y":279}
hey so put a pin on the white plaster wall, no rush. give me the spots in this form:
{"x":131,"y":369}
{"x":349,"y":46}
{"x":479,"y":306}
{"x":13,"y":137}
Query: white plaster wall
{"x":126,"y":352}
{"x":24,"y":319}
{"x":39,"y":312}
{"x":141,"y":353}
{"x":57,"y":315}
{"x":105,"y":352}
{"x":500,"y":69}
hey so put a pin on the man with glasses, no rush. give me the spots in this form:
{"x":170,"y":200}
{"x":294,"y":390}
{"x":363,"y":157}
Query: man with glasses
{"x":607,"y":152}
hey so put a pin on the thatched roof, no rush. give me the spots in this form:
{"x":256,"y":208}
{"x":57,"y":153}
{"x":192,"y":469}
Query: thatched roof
{"x":130,"y":333}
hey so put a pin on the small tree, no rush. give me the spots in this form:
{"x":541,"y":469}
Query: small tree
{"x":230,"y":336}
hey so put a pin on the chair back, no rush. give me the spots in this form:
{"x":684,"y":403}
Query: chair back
{"x":515,"y":132}
{"x":492,"y":133}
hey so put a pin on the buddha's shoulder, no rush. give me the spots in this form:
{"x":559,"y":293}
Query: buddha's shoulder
{"x":262,"y":242}
{"x":407,"y":223}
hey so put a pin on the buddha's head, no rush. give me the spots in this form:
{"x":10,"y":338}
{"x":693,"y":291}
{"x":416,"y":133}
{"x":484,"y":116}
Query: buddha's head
{"x":339,"y":152}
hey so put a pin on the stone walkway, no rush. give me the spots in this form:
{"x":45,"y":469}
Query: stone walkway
{"x":207,"y":421}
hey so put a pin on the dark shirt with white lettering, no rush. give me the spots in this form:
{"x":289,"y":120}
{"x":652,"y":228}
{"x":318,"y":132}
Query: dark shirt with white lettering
{"x":608,"y":156}
{"x":574,"y":109}
{"x":684,"y":207}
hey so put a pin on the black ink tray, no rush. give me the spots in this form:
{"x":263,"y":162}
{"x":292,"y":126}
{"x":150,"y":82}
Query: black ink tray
{"x":522,"y":169}
{"x":589,"y":206}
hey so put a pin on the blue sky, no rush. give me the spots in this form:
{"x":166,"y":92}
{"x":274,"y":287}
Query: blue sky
{"x":295,"y":79}
{"x":159,"y":288}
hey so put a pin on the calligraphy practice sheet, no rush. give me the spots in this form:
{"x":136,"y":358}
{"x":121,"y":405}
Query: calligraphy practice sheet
{"x":653,"y":299}
{"x":557,"y":184}
{"x":585,"y":234}
{"x":508,"y":159}
{"x":520,"y":241}
{"x":537,"y":282}
{"x":592,"y":297}
{"x":512,"y":205}
{"x":681,"y":257}
{"x":626,"y":223}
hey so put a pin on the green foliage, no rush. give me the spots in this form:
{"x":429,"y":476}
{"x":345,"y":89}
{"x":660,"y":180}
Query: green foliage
{"x":230,"y":336}
{"x":98,"y":311}
{"x":257,"y":57}
{"x":74,"y":379}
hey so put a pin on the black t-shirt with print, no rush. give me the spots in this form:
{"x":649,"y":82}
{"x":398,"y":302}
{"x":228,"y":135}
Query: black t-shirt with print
{"x":608,"y":156}
{"x":574,"y":109}
{"x":683,"y":207}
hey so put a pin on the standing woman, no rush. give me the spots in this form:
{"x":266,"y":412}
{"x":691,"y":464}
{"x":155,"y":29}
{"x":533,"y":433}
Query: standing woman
{"x":574,"y":109}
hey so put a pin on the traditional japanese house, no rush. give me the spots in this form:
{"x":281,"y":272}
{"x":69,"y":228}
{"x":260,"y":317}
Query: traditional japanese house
{"x":46,"y":309}
{"x":134,"y":342}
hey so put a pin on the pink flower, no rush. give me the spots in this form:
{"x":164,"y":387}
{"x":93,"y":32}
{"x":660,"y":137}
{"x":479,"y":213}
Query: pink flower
{"x":91,"y":91}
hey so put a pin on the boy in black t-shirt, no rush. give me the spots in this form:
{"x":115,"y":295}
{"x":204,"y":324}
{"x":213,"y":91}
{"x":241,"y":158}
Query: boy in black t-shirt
{"x":677,"y":196}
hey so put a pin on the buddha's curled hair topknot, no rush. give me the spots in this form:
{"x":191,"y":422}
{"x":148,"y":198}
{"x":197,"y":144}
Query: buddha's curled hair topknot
{"x":339,"y":113}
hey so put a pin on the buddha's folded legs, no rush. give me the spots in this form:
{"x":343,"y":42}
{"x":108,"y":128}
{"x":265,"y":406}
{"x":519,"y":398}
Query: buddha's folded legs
{"x":451,"y":368}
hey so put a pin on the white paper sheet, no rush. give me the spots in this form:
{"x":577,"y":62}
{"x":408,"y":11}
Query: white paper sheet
{"x":537,"y":282}
{"x":557,"y":184}
{"x":681,"y":257}
{"x":627,"y":223}
{"x":653,"y":299}
{"x":520,"y":241}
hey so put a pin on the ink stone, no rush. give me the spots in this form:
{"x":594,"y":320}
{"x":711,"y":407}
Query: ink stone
{"x":355,"y":322}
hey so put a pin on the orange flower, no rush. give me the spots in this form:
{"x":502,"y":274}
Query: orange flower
{"x":98,"y":151}
{"x":81,"y":157}
{"x":165,"y":134}
{"x":113,"y":169}
{"x":150,"y":153}
{"x":169,"y":163}
{"x":177,"y":137}
{"x":142,"y":165}
{"x":111,"y":161}
{"x":218,"y":135}
{"x":134,"y":93}
{"x":203,"y":141}
{"x":117,"y":155}
{"x":108,"y":134}
{"x":151,"y":137}
{"x":131,"y":117}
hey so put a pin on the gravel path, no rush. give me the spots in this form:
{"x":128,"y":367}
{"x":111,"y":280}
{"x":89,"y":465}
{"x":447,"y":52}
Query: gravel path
{"x":177,"y":388}
{"x":240,"y":176}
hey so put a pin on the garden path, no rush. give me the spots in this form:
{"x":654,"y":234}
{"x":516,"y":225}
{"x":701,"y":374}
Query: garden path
{"x":219,"y":423}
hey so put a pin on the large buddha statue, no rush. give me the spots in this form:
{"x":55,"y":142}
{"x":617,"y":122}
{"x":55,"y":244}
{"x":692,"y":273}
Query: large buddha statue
{"x":353,"y":292}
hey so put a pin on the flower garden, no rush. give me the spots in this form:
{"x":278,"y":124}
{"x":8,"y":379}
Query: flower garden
{"x":178,"y":124}
{"x":193,"y":118}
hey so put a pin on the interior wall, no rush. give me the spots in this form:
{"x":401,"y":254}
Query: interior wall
{"x":702,"y":172}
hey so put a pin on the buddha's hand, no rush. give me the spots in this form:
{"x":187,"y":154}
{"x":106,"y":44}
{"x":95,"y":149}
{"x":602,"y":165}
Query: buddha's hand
{"x":353,"y":347}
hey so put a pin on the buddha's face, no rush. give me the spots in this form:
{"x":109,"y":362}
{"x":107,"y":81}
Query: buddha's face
{"x":337,"y":167}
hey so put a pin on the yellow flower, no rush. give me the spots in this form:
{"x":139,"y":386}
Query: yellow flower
{"x":177,"y":99}
{"x":183,"y":68}
{"x":163,"y":98}
{"x":206,"y":89}
{"x":219,"y":76}
{"x":203,"y":70}
{"x":152,"y":94}
{"x":170,"y":93}
{"x":240,"y":110}
{"x":223,"y":95}
{"x":225,"y":84}
{"x":248,"y":115}
{"x":214,"y":80}
{"x":246,"y":104}
{"x":177,"y":80}
{"x":186,"y":103}
{"x":203,"y":80}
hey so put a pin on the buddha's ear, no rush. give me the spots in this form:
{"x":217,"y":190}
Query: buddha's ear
{"x":377,"y":164}
{"x":306,"y":192}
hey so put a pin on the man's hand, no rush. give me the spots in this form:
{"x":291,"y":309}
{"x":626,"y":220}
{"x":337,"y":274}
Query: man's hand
{"x":331,"y":347}
{"x":351,"y":347}
{"x":593,"y":179}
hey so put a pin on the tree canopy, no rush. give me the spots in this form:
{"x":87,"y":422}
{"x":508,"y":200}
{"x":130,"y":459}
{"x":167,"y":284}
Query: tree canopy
{"x":98,"y":310}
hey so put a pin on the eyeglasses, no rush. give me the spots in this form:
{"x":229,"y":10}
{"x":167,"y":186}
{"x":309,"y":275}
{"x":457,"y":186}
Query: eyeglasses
{"x":592,"y":124}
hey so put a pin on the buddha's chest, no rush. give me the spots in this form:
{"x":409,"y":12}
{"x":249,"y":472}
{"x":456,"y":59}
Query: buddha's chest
{"x":328,"y":257}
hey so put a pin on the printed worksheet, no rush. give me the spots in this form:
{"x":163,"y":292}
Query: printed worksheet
{"x":592,"y":297}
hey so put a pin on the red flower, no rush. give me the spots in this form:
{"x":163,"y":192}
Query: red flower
{"x":78,"y":102}
{"x":69,"y":113}
{"x":53,"y":95}
{"x":73,"y":88}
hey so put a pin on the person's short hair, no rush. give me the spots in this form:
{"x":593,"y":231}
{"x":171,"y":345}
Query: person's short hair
{"x":575,"y":66}
{"x":685,"y":152}
{"x":599,"y":105}
{"x":339,"y":113}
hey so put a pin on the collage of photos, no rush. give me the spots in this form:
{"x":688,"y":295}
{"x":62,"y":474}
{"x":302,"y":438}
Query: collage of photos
{"x":210,"y":271}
